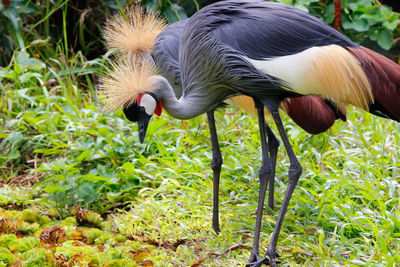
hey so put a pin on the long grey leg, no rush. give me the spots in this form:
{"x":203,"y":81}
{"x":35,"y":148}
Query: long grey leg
{"x":216,"y":163}
{"x":295,"y":171}
{"x":273,"y":145}
{"x":265,"y":174}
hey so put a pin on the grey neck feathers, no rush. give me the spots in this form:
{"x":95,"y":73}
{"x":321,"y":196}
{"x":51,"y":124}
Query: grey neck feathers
{"x":186,"y":107}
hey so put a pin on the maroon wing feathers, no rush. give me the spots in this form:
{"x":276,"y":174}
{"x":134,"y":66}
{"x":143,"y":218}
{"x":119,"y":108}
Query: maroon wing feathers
{"x":312,"y":113}
{"x":384,"y":77}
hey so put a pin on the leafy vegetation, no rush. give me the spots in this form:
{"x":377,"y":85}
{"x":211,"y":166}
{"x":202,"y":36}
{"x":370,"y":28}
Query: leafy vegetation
{"x":73,"y":25}
{"x":363,"y":21}
{"x":77,"y":188}
{"x":370,"y":19}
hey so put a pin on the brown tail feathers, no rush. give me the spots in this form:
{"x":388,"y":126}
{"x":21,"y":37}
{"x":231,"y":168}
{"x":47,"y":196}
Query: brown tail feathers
{"x":384,"y":77}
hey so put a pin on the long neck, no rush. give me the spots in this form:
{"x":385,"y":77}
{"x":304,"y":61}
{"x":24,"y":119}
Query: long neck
{"x":186,"y":107}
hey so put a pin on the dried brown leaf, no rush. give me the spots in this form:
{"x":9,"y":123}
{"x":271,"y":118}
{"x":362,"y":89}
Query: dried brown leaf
{"x":147,"y":263}
{"x":86,"y":217}
{"x":55,"y":235}
{"x":139,"y":255}
{"x":8,"y":226}
{"x":208,"y":254}
{"x":304,"y":253}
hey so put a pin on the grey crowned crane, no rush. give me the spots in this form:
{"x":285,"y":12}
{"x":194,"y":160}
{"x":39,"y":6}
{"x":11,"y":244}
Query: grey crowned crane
{"x":127,"y":37}
{"x":269,"y":52}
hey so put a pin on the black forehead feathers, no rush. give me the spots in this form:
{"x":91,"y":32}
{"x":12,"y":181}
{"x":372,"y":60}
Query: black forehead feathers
{"x":154,"y":96}
{"x":132,"y":112}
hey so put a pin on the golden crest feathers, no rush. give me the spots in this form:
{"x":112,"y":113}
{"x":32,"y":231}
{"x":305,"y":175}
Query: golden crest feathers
{"x":132,"y":31}
{"x":125,"y":81}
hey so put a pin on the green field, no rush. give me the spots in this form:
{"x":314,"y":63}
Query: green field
{"x":78,"y":189}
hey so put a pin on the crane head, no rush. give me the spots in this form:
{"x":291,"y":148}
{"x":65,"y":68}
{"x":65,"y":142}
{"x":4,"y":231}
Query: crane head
{"x":128,"y":85}
{"x":142,"y":110}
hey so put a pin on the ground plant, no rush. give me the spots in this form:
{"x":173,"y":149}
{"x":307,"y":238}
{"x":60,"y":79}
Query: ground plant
{"x":78,"y":189}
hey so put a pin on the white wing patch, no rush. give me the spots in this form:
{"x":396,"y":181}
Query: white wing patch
{"x":149,"y":104}
{"x":329,"y":71}
{"x":291,"y":68}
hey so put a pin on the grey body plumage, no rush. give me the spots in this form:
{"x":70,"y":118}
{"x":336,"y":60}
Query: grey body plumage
{"x":215,"y":41}
{"x":166,"y":54}
{"x":212,"y":66}
{"x":215,"y":53}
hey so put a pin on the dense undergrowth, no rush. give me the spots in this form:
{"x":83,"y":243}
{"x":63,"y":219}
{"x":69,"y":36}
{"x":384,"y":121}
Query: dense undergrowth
{"x":59,"y":152}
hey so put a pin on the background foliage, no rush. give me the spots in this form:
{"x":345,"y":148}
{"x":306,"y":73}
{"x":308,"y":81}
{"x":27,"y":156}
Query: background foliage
{"x":58,"y":149}
{"x":76,"y":25}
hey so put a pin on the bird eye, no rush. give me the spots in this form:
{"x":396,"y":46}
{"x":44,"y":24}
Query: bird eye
{"x":141,"y":109}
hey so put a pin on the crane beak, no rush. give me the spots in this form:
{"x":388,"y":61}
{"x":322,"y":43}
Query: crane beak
{"x":143,"y":122}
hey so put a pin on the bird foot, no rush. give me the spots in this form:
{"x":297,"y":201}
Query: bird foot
{"x":269,"y":259}
{"x":254,"y":257}
{"x":217,"y":230}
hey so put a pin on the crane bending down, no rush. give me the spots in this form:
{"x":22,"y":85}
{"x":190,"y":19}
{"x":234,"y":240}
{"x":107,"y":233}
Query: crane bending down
{"x":312,"y":113}
{"x":270,"y":52}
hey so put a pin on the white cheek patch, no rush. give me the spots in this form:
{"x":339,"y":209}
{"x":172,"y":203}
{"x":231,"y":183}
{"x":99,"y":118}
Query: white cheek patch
{"x":149,"y":104}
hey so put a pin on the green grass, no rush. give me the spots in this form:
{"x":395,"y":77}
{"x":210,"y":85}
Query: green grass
{"x":157,"y":196}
